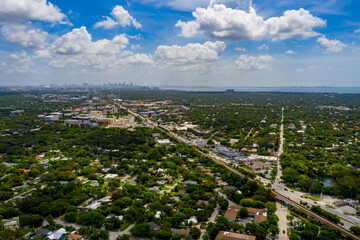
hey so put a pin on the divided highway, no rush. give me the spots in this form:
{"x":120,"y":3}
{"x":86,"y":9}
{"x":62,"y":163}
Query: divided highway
{"x":291,"y":202}
{"x":278,"y":195}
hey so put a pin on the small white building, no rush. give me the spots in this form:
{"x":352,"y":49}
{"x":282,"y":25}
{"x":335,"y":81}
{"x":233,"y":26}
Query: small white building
{"x":158,"y":214}
{"x":111,"y":176}
{"x":163,"y":142}
{"x":57,"y":235}
{"x":94,"y":206}
{"x":193,"y":219}
{"x":105,"y":199}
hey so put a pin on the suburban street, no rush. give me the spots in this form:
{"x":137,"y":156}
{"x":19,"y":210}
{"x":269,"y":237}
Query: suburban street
{"x":114,"y":235}
{"x":295,"y":196}
{"x":281,"y":146}
{"x":282,"y":211}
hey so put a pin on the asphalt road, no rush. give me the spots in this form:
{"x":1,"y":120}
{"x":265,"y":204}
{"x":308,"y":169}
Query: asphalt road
{"x":347,"y":220}
{"x":114,"y":235}
{"x":281,"y":146}
{"x":278,"y":188}
{"x":282,"y":211}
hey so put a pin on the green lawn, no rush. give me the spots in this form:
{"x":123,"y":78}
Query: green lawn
{"x":312,"y":197}
{"x":124,"y":225}
{"x":104,"y":186}
{"x":329,"y":206}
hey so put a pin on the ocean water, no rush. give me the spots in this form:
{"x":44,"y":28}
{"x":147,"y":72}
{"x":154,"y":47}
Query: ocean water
{"x":266,"y":89}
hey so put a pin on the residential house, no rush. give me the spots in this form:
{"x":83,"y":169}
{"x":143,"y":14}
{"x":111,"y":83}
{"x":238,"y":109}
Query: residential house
{"x":111,"y":176}
{"x":260,"y":218}
{"x":231,"y":214}
{"x":154,"y":189}
{"x":74,"y":236}
{"x":199,"y":202}
{"x":158,"y":214}
{"x":105,"y":199}
{"x":224,"y":235}
{"x":193,"y":219}
{"x":182,"y":232}
{"x":190,"y":182}
{"x":181,"y":192}
{"x":11,"y":223}
{"x":95,"y":205}
{"x":154,"y":226}
{"x":59,"y":234}
{"x":221,"y":183}
{"x":42,"y":232}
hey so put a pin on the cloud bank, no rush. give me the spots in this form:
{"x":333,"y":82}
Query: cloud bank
{"x":24,"y":10}
{"x":218,"y":21}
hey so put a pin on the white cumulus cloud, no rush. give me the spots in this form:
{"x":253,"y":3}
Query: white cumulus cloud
{"x":263,"y":47}
{"x":28,"y":37}
{"x":191,"y":57}
{"x":138,"y":59}
{"x":79,"y":41}
{"x":218,"y":21}
{"x":42,"y":54}
{"x":253,"y":63}
{"x":331,"y":45}
{"x":190,"y":53}
{"x":77,"y":48}
{"x":23,"y":63}
{"x":23,"y":10}
{"x":121,"y":17}
{"x":290,"y":52}
{"x":235,"y":4}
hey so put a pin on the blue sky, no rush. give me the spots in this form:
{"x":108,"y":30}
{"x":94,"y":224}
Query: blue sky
{"x":180,"y":42}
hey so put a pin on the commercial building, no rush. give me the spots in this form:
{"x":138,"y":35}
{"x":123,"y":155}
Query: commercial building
{"x":51,"y":118}
{"x":105,"y":121}
{"x":228,"y":152}
{"x":72,"y":122}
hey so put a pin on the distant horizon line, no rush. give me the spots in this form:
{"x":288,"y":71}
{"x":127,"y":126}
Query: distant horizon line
{"x":167,"y":86}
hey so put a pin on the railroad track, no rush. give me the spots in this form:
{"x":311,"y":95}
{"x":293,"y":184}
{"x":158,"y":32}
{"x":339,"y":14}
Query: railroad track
{"x":280,"y":196}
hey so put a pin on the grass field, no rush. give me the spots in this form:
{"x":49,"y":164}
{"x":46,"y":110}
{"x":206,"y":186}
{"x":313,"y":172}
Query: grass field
{"x":312,"y":197}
